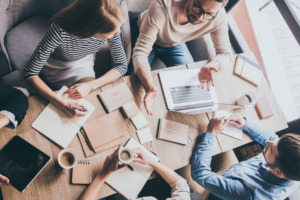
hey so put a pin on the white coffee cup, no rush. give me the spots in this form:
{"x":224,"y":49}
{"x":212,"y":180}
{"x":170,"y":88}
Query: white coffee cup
{"x":248,"y":99}
{"x":67,"y":159}
{"x":125,"y":155}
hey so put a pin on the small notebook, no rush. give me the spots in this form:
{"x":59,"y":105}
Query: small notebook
{"x":229,"y":130}
{"x":82,"y":173}
{"x":262,"y":108}
{"x":139,"y":120}
{"x":104,"y":129}
{"x":130,"y":109}
{"x":52,"y":122}
{"x":127,"y":182}
{"x":116,"y":97}
{"x":173,"y":131}
{"x":144,"y":135}
{"x":248,"y":70}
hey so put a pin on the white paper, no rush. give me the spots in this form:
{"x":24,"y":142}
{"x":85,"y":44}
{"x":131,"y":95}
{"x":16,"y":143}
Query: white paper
{"x":144,"y":135}
{"x":229,"y":129}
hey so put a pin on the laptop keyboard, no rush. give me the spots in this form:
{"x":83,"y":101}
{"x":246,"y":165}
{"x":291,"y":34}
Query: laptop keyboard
{"x":186,"y":94}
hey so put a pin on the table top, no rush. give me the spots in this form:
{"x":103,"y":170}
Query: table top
{"x":52,"y":184}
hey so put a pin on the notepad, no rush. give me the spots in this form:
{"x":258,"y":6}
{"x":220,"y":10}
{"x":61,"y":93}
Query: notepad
{"x":127,"y":182}
{"x":229,"y":130}
{"x":82,"y":173}
{"x":144,"y":135}
{"x":58,"y":127}
{"x":116,"y":96}
{"x":130,"y":109}
{"x":248,"y":70}
{"x":139,"y":120}
{"x":173,"y":131}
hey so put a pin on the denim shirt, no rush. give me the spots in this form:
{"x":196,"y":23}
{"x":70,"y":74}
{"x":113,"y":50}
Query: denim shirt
{"x":245,"y":180}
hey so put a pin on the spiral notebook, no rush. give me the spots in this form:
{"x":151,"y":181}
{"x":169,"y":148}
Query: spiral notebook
{"x":82,"y":173}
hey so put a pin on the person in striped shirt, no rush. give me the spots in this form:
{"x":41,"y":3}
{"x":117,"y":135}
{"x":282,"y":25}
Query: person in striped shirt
{"x":65,"y":56}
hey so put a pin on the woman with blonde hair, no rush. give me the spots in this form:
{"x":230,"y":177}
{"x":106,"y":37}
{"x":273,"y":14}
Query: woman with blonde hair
{"x":65,"y":56}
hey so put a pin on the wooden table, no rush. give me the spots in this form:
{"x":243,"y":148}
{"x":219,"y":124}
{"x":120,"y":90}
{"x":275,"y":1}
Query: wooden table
{"x":52,"y":184}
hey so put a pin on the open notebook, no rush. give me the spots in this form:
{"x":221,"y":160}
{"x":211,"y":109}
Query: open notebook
{"x":127,"y":182}
{"x":58,"y":127}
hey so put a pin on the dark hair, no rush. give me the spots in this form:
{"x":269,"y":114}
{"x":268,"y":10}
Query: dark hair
{"x":288,"y":160}
{"x":85,"y":18}
{"x":223,"y":1}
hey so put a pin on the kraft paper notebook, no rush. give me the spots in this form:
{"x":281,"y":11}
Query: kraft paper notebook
{"x":82,"y":173}
{"x":127,"y":182}
{"x":58,"y":127}
{"x":104,"y":129}
{"x":116,"y":97}
{"x":173,"y":131}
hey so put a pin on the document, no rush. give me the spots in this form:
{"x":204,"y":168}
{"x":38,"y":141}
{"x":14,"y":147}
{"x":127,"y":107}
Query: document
{"x":57,"y":126}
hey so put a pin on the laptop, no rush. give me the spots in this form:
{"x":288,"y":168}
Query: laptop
{"x":21,"y":162}
{"x":182,"y":94}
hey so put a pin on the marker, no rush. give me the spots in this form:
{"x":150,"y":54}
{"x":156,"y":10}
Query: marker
{"x":78,"y":108}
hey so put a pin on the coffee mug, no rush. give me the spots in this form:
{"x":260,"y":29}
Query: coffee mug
{"x":67,"y":159}
{"x":125,"y":155}
{"x":247,"y":99}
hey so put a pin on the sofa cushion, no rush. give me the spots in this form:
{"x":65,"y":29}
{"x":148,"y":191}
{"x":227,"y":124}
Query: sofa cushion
{"x":22,"y":40}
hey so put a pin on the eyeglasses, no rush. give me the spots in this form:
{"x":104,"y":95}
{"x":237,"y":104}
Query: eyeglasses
{"x":198,"y":10}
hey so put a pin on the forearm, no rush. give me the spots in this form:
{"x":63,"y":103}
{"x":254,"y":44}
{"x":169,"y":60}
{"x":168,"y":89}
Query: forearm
{"x":109,"y":77}
{"x":94,"y":188}
{"x":39,"y":85}
{"x":145,"y":77}
{"x":215,"y":64}
{"x":259,"y":133}
{"x":165,"y":172}
{"x":4,"y":121}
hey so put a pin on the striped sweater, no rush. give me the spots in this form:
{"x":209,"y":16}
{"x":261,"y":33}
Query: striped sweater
{"x":63,"y":46}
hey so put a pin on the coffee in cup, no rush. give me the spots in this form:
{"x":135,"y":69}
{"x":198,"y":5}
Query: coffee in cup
{"x":67,"y":159}
{"x":125,"y":155}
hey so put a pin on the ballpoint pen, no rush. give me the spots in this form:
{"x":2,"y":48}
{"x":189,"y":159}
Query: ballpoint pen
{"x":78,"y":108}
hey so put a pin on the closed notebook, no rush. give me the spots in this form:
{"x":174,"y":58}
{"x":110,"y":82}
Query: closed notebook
{"x":104,"y":129}
{"x":116,"y":97}
{"x":262,"y":108}
{"x":82,"y":173}
{"x":173,"y":131}
{"x":52,"y":122}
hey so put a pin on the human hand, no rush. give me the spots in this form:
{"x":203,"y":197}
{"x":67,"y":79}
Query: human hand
{"x":217,"y":125}
{"x":142,"y":157}
{"x":79,"y":90}
{"x":111,"y":164}
{"x":149,"y":99}
{"x":237,"y":120}
{"x":72,"y":113}
{"x":3,"y":180}
{"x":205,"y":76}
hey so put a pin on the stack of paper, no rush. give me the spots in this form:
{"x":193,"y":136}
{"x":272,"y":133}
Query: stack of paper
{"x":137,"y":118}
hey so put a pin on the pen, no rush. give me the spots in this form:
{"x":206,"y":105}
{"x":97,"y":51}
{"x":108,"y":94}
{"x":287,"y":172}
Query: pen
{"x":78,"y":108}
{"x":131,"y":168}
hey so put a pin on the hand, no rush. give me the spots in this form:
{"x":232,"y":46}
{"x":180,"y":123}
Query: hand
{"x":237,"y":120}
{"x":142,"y":157}
{"x":79,"y":90}
{"x":72,"y":113}
{"x":217,"y":125}
{"x":111,"y":164}
{"x":149,"y":99}
{"x":205,"y":76}
{"x":3,"y":180}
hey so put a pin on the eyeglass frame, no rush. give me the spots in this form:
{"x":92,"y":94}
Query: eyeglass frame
{"x":202,"y":12}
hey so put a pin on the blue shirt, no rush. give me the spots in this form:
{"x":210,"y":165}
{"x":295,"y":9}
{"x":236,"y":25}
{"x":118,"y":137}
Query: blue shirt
{"x":245,"y":180}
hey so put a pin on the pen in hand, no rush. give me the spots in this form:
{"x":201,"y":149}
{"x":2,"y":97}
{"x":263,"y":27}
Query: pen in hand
{"x":78,"y":108}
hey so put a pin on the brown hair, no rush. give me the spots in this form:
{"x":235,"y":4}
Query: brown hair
{"x":85,"y":18}
{"x":288,"y":160}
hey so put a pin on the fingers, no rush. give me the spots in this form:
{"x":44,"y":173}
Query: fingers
{"x":214,"y":69}
{"x":233,"y":123}
{"x":4,"y":180}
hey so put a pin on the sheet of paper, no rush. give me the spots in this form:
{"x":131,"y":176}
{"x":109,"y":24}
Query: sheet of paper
{"x":139,"y":120}
{"x":229,"y":130}
{"x":130,"y":109}
{"x":144,"y":135}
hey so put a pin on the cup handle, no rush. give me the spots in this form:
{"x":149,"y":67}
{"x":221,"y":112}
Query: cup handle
{"x":65,"y":171}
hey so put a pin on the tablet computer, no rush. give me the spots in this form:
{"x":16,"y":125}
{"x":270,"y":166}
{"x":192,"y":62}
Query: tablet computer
{"x":21,"y":162}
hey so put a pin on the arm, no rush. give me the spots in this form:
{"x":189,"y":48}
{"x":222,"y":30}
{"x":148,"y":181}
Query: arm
{"x":80,"y":90}
{"x":3,"y":180}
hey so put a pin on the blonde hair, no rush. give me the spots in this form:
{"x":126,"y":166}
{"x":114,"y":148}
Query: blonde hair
{"x":85,"y":18}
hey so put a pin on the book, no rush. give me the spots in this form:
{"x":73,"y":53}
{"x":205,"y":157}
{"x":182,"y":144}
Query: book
{"x":129,"y":182}
{"x":173,"y":131}
{"x":248,"y":70}
{"x":56,"y":125}
{"x":229,"y":130}
{"x":82,"y":172}
{"x":104,"y":129}
{"x":116,"y":97}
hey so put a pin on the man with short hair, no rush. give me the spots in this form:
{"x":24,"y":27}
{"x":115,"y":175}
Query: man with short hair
{"x":165,"y":27}
{"x":273,"y":174}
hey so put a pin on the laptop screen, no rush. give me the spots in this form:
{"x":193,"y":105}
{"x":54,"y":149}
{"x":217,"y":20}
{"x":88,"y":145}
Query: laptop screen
{"x":21,"y":162}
